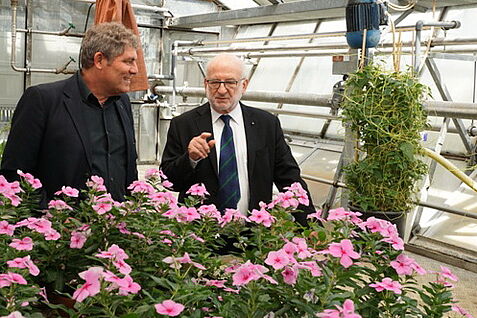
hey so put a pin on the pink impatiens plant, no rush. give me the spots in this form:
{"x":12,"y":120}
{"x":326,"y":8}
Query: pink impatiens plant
{"x":152,"y":256}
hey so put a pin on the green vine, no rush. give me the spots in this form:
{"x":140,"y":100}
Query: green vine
{"x":385,"y":111}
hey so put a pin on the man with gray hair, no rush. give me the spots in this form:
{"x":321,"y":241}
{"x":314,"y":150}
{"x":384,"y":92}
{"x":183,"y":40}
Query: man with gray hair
{"x":237,"y":151}
{"x":65,"y":132}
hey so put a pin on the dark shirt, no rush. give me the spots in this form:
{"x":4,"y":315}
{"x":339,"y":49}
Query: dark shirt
{"x":109,"y":157}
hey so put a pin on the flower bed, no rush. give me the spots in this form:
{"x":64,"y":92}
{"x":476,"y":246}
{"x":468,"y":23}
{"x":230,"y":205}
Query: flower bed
{"x":150,"y":256}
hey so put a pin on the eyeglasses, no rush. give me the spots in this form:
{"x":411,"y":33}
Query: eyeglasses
{"x":229,"y":84}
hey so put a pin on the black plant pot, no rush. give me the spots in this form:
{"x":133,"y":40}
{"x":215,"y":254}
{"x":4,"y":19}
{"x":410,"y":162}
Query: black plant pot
{"x":397,"y":218}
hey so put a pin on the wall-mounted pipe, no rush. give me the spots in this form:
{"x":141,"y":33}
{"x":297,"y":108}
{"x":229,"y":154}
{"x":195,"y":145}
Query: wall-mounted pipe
{"x":65,"y":32}
{"x":417,"y":43}
{"x":174,"y":49}
{"x":317,"y":46}
{"x":433,"y":108}
{"x":257,"y":96}
{"x":59,"y":70}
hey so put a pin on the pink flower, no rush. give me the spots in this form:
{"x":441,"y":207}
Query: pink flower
{"x":59,"y":205}
{"x":347,"y":311}
{"x":96,"y":183}
{"x":302,"y":247}
{"x":345,"y":251}
{"x":169,"y":308}
{"x":77,"y":239}
{"x":92,"y":285}
{"x":151,"y":173}
{"x":167,"y":184}
{"x":103,"y":204}
{"x":216,"y":283}
{"x":262,"y":217}
{"x":128,"y":286}
{"x":40,"y":226}
{"x":6,"y":228}
{"x":35,"y":183}
{"x":163,"y":198}
{"x":185,"y":214}
{"x":290,"y":248}
{"x":114,"y":252}
{"x":25,"y":244}
{"x":209,"y":211}
{"x":316,"y":215}
{"x":24,"y":262}
{"x":68,"y":191}
{"x":52,"y":235}
{"x":277,"y":259}
{"x":11,"y":278}
{"x":446,"y":273}
{"x":342,"y":214}
{"x":299,"y":192}
{"x":312,"y":266}
{"x":141,"y":187}
{"x":285,"y":200}
{"x":42,"y":293}
{"x":402,"y":265}
{"x":198,"y":190}
{"x":290,"y":275}
{"x":247,"y":272}
{"x":387,"y":284}
{"x":122,"y":266}
{"x":396,"y":242}
{"x":231,"y":215}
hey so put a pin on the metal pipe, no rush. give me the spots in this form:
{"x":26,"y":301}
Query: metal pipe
{"x":136,"y":6}
{"x":160,"y":77}
{"x":13,"y":52}
{"x":417,"y":43}
{"x":329,"y":53}
{"x":322,"y":46}
{"x":64,"y":32}
{"x":433,"y":108}
{"x":175,"y":46}
{"x":451,"y":109}
{"x":257,"y":96}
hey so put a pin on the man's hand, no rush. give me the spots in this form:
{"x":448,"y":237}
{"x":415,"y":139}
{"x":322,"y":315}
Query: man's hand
{"x":199,"y":147}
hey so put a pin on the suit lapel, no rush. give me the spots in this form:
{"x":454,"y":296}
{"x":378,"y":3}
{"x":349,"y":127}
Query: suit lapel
{"x":251,"y":136}
{"x":204,"y":124}
{"x":73,"y":106}
{"x":126,"y":123}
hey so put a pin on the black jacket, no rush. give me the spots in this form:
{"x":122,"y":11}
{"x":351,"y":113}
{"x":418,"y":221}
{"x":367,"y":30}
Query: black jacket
{"x":269,"y":158}
{"x":48,"y":137}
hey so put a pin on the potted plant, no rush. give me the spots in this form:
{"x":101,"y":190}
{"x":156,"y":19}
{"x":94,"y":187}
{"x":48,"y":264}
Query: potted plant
{"x":385,"y":111}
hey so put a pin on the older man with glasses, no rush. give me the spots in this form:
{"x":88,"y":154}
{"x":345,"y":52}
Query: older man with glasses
{"x":236,"y":151}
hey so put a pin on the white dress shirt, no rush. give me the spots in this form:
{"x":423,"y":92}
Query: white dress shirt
{"x":240,"y":143}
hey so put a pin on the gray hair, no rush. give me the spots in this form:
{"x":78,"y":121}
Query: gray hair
{"x":110,"y":38}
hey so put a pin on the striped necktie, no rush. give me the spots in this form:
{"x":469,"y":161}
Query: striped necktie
{"x":229,"y":188}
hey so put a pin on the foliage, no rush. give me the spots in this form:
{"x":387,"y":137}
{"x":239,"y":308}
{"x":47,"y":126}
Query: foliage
{"x":385,"y":111}
{"x":151,"y":256}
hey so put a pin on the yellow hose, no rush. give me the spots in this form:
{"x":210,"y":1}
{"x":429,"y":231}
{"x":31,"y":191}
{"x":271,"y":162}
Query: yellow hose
{"x":453,"y":169}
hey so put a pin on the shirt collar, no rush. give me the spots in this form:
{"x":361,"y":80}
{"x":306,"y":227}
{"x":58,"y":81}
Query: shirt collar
{"x":86,"y":94}
{"x":236,"y":114}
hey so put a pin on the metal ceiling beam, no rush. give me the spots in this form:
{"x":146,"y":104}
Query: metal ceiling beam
{"x":291,"y":11}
